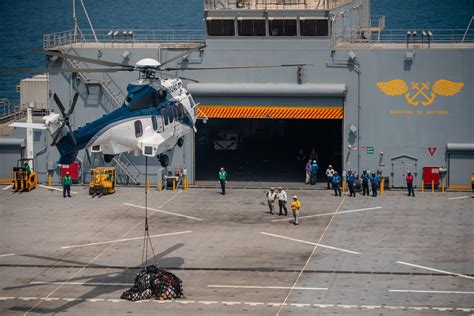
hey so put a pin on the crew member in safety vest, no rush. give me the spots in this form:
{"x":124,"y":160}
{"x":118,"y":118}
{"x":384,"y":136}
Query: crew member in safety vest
{"x":365,"y":183}
{"x":67,"y":181}
{"x":329,"y":175}
{"x":295,"y":207}
{"x":350,"y":182}
{"x":271,"y":197}
{"x":409,"y":179}
{"x":374,"y":181}
{"x":336,"y":183}
{"x":222,"y":179}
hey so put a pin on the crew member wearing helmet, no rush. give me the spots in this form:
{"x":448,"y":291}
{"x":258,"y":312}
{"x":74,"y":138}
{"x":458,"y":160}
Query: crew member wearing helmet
{"x":67,"y":181}
{"x":374,"y":181}
{"x":295,"y":207}
{"x":329,"y":175}
{"x":365,"y":183}
{"x":409,"y":179}
{"x":336,"y":183}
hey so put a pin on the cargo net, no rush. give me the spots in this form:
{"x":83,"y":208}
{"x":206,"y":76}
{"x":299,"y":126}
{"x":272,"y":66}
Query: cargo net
{"x":153,"y":282}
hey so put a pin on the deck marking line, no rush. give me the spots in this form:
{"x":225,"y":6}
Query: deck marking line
{"x":277,"y":304}
{"x":165,"y":212}
{"x":81,"y":283}
{"x":116,"y":300}
{"x":28,"y":298}
{"x":311,"y":243}
{"x":323,"y":305}
{"x":95,"y":299}
{"x":99,"y":255}
{"x":347,"y":306}
{"x":436,"y":270}
{"x":431,"y":291}
{"x":231,"y":303}
{"x":458,"y":197}
{"x":253,"y":303}
{"x":465,"y":309}
{"x":7,"y":187}
{"x":442,"y":309}
{"x":4,"y":298}
{"x":393,"y":307}
{"x":71,"y":299}
{"x":122,"y":240}
{"x":53,"y":188}
{"x":332,"y":213}
{"x":370,"y":306}
{"x":268,"y":287}
{"x":186,"y":302}
{"x":7,"y":255}
{"x":310,"y":256}
{"x":49,"y":299}
{"x":207,"y":302}
{"x":300,"y":304}
{"x":417,"y":308}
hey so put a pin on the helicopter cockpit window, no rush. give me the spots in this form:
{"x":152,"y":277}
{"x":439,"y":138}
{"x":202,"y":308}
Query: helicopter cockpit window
{"x":138,"y":128}
{"x":179,"y":106}
{"x":170,"y":114}
{"x":154,"y":122}
{"x":143,"y":99}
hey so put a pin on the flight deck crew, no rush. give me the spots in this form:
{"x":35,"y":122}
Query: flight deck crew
{"x":67,"y":181}
{"x":350,"y":182}
{"x":271,"y":197}
{"x":314,"y":172}
{"x":222,"y":179}
{"x":308,"y":172}
{"x":295,"y":208}
{"x":409,"y":179}
{"x":329,"y":175}
{"x":336,"y":183}
{"x":365,"y":183}
{"x":374,"y":181}
{"x":282,"y":199}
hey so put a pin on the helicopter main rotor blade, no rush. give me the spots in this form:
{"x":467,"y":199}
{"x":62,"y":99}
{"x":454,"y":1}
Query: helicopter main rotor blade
{"x":235,"y":67}
{"x":74,"y":140}
{"x":60,"y":105}
{"x":88,"y":154}
{"x":182,"y":78}
{"x":188,"y":52}
{"x":63,"y":70}
{"x":85,"y":59}
{"x":73,"y":105}
{"x":58,"y":132}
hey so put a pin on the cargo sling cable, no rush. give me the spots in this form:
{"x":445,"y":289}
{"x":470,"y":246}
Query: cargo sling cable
{"x":146,"y":237}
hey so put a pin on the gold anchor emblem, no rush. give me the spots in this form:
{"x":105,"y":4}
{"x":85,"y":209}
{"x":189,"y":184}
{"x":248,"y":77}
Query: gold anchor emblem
{"x":441,"y":87}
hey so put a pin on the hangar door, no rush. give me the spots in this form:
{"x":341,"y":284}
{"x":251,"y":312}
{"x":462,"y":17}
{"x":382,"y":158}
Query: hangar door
{"x":460,"y":165}
{"x":10,"y":151}
{"x":267,"y":144}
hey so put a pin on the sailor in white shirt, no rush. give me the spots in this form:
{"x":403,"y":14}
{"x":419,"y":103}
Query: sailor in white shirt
{"x":282,"y":199}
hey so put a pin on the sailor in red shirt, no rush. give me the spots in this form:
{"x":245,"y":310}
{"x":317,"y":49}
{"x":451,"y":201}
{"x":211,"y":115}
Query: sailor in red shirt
{"x":409,"y":179}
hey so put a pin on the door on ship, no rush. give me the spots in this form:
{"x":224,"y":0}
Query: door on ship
{"x":267,"y":149}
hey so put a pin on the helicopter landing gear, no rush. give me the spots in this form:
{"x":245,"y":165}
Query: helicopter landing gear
{"x":180,"y":142}
{"x":108,"y":158}
{"x":164,"y":160}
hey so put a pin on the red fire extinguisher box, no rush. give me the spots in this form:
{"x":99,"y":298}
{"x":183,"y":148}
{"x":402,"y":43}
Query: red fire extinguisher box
{"x":73,"y":170}
{"x":431,"y":174}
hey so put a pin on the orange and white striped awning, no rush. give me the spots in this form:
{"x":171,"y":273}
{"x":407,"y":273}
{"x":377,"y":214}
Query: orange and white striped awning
{"x":269,"y":112}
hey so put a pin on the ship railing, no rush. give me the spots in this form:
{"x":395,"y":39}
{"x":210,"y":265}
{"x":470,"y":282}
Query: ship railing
{"x":423,"y":36}
{"x":274,"y":4}
{"x":123,"y":36}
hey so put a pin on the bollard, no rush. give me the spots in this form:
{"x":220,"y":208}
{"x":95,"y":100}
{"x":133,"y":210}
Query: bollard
{"x":148,"y":184}
{"x":50,"y":180}
{"x":382,"y":186}
{"x":185,"y":184}
{"x":442,"y":185}
{"x":174,"y":185}
{"x":422,"y":185}
{"x":159,"y":185}
{"x":343,"y":186}
{"x":432,"y":185}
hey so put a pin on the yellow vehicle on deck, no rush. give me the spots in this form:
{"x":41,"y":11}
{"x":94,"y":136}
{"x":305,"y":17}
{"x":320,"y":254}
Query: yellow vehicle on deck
{"x":103,"y":181}
{"x":24,"y":177}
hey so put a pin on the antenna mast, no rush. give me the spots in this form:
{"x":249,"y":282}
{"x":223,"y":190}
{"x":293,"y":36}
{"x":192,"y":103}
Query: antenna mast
{"x":74,"y":17}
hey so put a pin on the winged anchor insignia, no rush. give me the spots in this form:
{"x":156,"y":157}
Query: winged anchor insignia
{"x":441,"y":87}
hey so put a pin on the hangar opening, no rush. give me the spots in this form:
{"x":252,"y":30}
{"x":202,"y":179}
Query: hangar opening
{"x":268,"y":149}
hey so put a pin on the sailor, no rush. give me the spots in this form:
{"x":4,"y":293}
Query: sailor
{"x":295,"y":208}
{"x":374,"y":181}
{"x":329,"y":175}
{"x":350,"y":182}
{"x":314,"y":172}
{"x":409,"y":179}
{"x":222,"y":179}
{"x":365,"y":183}
{"x":308,"y":172}
{"x":27,"y":167}
{"x":271,"y":197}
{"x":67,"y":181}
{"x":282,"y":199}
{"x":336,"y":183}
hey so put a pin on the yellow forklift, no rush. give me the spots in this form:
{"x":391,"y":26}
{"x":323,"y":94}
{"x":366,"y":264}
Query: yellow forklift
{"x":24,"y":177}
{"x":102,"y":181}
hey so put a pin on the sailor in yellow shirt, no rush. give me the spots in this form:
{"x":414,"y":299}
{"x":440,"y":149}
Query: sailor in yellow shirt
{"x":295,"y":207}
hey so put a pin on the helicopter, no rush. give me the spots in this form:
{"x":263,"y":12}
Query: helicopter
{"x":155,"y":116}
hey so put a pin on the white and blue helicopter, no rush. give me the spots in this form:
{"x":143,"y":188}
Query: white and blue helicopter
{"x":155,"y":116}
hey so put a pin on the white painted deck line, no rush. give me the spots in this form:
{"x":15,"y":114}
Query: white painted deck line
{"x":165,"y":212}
{"x":311,"y":243}
{"x":458,"y":197}
{"x":7,"y":255}
{"x":431,"y":291}
{"x":268,"y":287}
{"x":82,"y":283}
{"x":53,"y":188}
{"x":122,"y":240}
{"x":332,"y":213}
{"x":436,"y":270}
{"x":7,"y":187}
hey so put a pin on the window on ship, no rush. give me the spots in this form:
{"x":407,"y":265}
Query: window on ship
{"x":252,"y":27}
{"x":314,"y":27}
{"x":221,"y":27}
{"x":282,"y":27}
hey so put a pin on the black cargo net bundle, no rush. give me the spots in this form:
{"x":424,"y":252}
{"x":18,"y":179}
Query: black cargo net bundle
{"x":153,"y":282}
